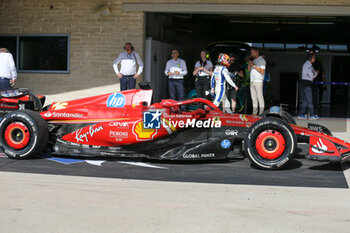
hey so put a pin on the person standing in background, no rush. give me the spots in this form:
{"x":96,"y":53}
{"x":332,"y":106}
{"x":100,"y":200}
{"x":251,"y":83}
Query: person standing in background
{"x":202,"y":71}
{"x":176,"y":70}
{"x":317,"y":89}
{"x":246,"y":84}
{"x":256,"y":67}
{"x":127,"y":73}
{"x":308,"y":75}
{"x":231,"y":92}
{"x":8,"y":73}
{"x":243,"y":87}
{"x":234,"y":64}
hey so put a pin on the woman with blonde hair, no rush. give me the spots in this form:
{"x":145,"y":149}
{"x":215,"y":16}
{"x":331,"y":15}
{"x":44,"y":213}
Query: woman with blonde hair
{"x":8,"y":73}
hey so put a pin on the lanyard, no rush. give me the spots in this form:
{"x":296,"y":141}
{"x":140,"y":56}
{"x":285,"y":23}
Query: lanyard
{"x":177,"y":62}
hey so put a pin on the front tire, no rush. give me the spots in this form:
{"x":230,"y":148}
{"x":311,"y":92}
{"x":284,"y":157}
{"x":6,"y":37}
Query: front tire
{"x":270,"y":143}
{"x":281,"y":115}
{"x":23,"y":134}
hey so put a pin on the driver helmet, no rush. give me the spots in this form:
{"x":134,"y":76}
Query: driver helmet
{"x":223,"y":59}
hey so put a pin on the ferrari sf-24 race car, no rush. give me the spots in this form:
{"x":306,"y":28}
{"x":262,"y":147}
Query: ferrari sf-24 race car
{"x":126,"y":124}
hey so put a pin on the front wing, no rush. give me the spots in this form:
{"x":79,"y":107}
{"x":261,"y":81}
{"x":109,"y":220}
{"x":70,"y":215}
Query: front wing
{"x":323,"y":146}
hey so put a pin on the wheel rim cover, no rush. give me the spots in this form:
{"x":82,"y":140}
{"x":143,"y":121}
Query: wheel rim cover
{"x":17,"y":135}
{"x":270,"y":144}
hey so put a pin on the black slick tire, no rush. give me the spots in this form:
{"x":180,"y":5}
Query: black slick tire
{"x":34,"y":127}
{"x":286,"y":142}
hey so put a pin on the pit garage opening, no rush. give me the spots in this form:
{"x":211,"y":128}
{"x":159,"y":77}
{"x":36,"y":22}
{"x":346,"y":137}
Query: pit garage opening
{"x":283,"y":40}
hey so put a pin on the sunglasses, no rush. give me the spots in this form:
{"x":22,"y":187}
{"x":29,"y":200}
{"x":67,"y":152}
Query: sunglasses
{"x":173,"y":53}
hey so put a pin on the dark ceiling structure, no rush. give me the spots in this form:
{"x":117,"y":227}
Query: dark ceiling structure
{"x":253,"y":28}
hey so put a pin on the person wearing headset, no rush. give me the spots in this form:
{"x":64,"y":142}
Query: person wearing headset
{"x":202,"y":71}
{"x":308,"y":75}
{"x":127,"y":72}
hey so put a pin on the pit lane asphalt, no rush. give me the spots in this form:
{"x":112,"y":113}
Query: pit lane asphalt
{"x":300,"y":172}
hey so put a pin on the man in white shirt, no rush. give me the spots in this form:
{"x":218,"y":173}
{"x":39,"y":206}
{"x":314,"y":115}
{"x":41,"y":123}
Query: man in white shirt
{"x":308,"y":75}
{"x":127,"y":72}
{"x":257,"y":71}
{"x":176,"y":70}
{"x":8,"y":73}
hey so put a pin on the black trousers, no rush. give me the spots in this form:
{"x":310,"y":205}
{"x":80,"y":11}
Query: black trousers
{"x":5,"y":84}
{"x":317,"y":95}
{"x":176,"y":91}
{"x":127,"y":82}
{"x":202,"y":85}
{"x":307,"y":104}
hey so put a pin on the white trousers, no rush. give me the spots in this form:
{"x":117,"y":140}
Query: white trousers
{"x":220,"y":97}
{"x":256,"y":91}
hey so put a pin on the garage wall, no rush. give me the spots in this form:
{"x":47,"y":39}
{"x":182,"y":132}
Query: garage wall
{"x":94,"y":45}
{"x":282,"y":2}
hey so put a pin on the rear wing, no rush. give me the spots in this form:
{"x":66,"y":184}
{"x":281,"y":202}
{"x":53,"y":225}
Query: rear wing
{"x":15,"y":96}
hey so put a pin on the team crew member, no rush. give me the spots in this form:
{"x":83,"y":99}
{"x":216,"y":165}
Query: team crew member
{"x":234,"y":64}
{"x":218,"y":82}
{"x":233,"y":69}
{"x":257,"y":70}
{"x":308,"y":75}
{"x":8,"y":73}
{"x":127,"y":72}
{"x":176,"y":70}
{"x":203,"y":70}
{"x":317,"y":89}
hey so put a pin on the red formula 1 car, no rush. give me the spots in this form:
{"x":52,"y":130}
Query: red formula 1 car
{"x":126,"y":124}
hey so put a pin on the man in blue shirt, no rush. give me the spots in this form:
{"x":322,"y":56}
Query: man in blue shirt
{"x":127,"y":73}
{"x":176,"y":70}
{"x":308,"y":75}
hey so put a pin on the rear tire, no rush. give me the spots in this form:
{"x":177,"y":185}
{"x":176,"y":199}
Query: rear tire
{"x":270,"y":143}
{"x":23,"y":134}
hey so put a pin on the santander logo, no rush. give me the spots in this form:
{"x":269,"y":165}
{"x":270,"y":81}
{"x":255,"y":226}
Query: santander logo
{"x":48,"y":114}
{"x":319,"y":148}
{"x":63,"y":115}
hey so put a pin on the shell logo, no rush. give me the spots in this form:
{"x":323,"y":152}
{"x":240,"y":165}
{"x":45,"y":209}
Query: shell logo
{"x":141,"y":133}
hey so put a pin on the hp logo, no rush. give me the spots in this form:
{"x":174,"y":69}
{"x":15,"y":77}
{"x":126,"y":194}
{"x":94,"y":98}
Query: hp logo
{"x":116,"y":100}
{"x":225,"y":144}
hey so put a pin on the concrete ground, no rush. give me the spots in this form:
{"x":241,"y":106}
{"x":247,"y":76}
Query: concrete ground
{"x":45,"y":203}
{"x":54,"y":203}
